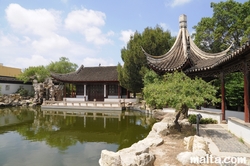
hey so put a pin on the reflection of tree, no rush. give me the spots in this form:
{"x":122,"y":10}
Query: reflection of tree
{"x":63,"y":132}
{"x":135,"y":131}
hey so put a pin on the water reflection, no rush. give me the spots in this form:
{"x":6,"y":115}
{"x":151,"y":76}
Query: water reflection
{"x":66,"y":139}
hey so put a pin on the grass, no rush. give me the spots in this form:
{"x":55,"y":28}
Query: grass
{"x":241,"y":140}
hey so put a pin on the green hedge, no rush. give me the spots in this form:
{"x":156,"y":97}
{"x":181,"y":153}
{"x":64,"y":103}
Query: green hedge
{"x":192,"y":120}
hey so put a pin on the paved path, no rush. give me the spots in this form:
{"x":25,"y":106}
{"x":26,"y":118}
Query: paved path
{"x":223,"y":139}
{"x":223,"y":143}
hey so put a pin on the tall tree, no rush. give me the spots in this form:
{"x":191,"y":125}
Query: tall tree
{"x":229,"y":24}
{"x":155,"y":41}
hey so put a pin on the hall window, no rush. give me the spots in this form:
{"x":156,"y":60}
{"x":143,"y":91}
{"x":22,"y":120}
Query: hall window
{"x":7,"y":87}
{"x":113,"y":89}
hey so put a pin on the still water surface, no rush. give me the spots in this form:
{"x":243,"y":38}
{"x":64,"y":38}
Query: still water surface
{"x":29,"y":137}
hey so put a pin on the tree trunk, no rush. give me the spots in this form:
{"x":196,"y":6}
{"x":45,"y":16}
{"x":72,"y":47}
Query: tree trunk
{"x":184,"y":113}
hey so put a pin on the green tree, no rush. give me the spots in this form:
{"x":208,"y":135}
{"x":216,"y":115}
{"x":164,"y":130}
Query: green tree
{"x":62,"y":66}
{"x":155,"y":41}
{"x":234,"y":87}
{"x":40,"y":73}
{"x":229,"y":24}
{"x":178,"y":91}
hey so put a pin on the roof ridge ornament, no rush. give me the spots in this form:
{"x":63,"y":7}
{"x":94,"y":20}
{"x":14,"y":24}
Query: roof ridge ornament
{"x":183,"y":21}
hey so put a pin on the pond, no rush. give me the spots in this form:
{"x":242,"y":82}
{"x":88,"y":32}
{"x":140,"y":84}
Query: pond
{"x":30,"y":137}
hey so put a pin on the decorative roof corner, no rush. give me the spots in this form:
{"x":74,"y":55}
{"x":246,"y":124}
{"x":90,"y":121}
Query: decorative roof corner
{"x":184,"y":54}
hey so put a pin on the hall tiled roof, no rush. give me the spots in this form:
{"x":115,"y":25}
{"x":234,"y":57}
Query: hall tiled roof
{"x":9,"y":79}
{"x":89,"y":74}
{"x":185,"y":53}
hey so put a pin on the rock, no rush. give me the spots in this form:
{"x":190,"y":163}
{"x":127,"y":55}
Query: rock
{"x":184,"y":123}
{"x":199,"y":153}
{"x":184,"y":157}
{"x":136,"y":155}
{"x":109,"y":158}
{"x":197,"y":147}
{"x":152,"y":140}
{"x":188,"y":141}
{"x":145,"y":159}
{"x":161,"y":128}
{"x":199,"y":143}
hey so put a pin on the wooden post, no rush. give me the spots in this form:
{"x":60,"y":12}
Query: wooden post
{"x":223,"y":96}
{"x":246,"y":93}
{"x":119,"y":91}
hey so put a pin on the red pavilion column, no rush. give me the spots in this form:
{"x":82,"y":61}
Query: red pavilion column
{"x":246,"y":93}
{"x":223,"y":96}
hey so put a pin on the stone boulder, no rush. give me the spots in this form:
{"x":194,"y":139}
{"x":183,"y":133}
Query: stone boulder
{"x":14,"y":100}
{"x":138,"y":154}
{"x":109,"y":158}
{"x":196,"y":146}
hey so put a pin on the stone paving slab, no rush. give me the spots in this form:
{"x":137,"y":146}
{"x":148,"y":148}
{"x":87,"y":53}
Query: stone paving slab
{"x":224,"y":140}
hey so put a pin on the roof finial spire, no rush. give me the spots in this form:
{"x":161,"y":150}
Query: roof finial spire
{"x":183,"y":21}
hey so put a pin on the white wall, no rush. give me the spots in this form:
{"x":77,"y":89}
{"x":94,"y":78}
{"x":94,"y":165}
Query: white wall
{"x":239,"y":128}
{"x":10,"y":88}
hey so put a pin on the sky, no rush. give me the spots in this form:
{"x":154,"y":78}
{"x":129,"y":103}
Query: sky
{"x":87,"y":32}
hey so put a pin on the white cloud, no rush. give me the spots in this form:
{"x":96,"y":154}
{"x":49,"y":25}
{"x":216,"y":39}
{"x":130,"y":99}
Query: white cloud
{"x":38,"y":22}
{"x":34,"y":60}
{"x":5,"y":41}
{"x":174,"y":3}
{"x":64,"y":1}
{"x":88,"y":23}
{"x":125,"y":35}
{"x":52,"y":42}
{"x":96,"y":61}
{"x":38,"y":36}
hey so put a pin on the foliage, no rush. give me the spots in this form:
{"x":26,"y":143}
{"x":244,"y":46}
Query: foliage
{"x":234,"y":87}
{"x":62,"y":66}
{"x":22,"y":91}
{"x":42,"y":72}
{"x":192,"y":120}
{"x":177,"y":90}
{"x":155,"y":41}
{"x":229,"y":24}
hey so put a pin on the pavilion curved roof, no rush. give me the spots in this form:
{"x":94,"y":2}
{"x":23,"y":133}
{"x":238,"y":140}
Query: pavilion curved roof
{"x":184,"y":55}
{"x":89,"y":74}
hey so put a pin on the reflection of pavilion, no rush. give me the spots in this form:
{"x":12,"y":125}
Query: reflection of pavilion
{"x":86,"y":113}
{"x":93,"y":114}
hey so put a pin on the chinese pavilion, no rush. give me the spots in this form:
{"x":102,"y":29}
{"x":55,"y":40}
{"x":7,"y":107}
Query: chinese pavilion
{"x":93,"y":83}
{"x":186,"y":56}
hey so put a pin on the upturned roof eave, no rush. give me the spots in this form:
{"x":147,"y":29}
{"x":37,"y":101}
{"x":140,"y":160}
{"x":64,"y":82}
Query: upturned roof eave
{"x":234,"y":54}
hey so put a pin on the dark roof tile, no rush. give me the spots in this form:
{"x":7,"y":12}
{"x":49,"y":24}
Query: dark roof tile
{"x":89,"y":74}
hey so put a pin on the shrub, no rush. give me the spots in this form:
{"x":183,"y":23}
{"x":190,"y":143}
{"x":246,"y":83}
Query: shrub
{"x":192,"y":120}
{"x":22,"y":92}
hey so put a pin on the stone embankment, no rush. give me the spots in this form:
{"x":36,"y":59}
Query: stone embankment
{"x":16,"y":100}
{"x":146,"y":151}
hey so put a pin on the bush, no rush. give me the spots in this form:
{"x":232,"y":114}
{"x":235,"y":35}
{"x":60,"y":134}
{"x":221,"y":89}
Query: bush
{"x":192,"y":120}
{"x":22,"y":92}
